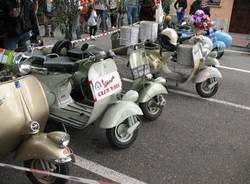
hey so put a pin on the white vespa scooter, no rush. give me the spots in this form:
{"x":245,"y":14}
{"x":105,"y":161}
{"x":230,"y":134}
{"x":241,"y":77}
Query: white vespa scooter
{"x":118,"y":117}
{"x":189,"y":66}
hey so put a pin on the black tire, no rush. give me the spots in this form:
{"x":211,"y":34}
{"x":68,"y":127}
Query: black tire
{"x":203,"y":90}
{"x":149,"y":112}
{"x":35,"y":164}
{"x":115,"y":141}
{"x":60,"y":45}
{"x":220,"y":52}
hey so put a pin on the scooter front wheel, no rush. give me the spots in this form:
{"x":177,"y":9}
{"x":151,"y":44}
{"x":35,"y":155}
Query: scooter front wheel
{"x":220,"y":52}
{"x":152,"y":109}
{"x":46,"y":166}
{"x":119,"y":136}
{"x":207,"y":88}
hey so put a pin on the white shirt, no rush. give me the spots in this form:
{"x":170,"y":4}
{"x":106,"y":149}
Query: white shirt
{"x":92,"y":19}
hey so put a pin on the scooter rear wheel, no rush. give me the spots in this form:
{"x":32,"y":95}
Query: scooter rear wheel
{"x":118,"y":136}
{"x":203,"y":89}
{"x":36,"y":178}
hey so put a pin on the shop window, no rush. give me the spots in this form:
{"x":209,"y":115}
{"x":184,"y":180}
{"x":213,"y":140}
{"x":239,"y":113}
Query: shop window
{"x":214,"y":2}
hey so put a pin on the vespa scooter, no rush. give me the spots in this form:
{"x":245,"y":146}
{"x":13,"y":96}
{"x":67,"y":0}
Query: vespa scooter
{"x":152,"y":91}
{"x":24,"y":112}
{"x":60,"y":74}
{"x":189,"y":66}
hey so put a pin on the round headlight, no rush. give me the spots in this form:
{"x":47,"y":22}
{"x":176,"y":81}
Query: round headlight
{"x":24,"y":67}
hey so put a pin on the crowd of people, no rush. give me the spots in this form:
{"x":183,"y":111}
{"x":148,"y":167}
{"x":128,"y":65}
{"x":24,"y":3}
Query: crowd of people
{"x":18,"y":21}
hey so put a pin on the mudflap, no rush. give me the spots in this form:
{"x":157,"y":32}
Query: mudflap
{"x":209,"y":72}
{"x":150,"y":90}
{"x":118,"y":113}
{"x":42,"y":146}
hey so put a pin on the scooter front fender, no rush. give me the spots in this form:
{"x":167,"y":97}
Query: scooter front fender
{"x":150,"y":90}
{"x":209,"y":72}
{"x":119,"y":112}
{"x":43,"y":146}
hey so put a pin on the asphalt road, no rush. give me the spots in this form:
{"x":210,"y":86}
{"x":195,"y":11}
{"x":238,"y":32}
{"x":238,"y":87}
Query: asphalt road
{"x":194,"y":141}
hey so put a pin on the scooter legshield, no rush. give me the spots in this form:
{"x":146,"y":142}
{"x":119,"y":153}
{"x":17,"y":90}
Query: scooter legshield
{"x":119,"y":112}
{"x":150,"y":90}
{"x":41,"y":146}
{"x":209,"y":72}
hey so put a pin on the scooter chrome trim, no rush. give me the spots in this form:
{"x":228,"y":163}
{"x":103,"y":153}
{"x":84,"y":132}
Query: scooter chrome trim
{"x":118,"y":113}
{"x":209,"y":72}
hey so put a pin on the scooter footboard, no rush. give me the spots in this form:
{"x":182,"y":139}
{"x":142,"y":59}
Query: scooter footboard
{"x":45,"y":146}
{"x":119,"y":112}
{"x":150,"y":90}
{"x":209,"y":72}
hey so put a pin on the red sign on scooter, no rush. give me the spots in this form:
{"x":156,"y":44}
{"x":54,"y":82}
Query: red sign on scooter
{"x":106,"y":85}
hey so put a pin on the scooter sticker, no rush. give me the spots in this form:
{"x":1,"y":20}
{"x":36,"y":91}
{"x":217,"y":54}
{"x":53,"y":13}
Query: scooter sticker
{"x":17,"y":84}
{"x":106,"y":85}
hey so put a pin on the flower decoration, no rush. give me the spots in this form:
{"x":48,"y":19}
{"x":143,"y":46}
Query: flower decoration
{"x":200,"y":20}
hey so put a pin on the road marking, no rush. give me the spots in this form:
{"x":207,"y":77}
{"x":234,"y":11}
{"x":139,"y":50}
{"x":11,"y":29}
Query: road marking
{"x":105,"y":172}
{"x":239,"y":106}
{"x":236,"y":51}
{"x":234,"y":69}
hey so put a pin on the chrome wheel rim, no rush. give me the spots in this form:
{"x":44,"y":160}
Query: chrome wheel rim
{"x":42,"y":178}
{"x":121,"y":132}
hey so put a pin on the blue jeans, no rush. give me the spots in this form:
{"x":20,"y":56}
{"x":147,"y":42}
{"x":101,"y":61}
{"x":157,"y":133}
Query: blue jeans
{"x":132,"y":14}
{"x":104,"y":16}
{"x":76,"y":27}
{"x":13,"y":43}
{"x":180,"y":16}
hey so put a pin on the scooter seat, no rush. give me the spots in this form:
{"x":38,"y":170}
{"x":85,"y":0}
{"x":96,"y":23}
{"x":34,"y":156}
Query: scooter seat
{"x":61,"y":64}
{"x":78,"y":53}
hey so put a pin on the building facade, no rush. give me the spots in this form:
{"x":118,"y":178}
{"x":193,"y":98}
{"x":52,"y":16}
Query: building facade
{"x":233,"y":15}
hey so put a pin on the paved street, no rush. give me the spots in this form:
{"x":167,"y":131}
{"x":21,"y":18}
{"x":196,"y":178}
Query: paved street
{"x":194,"y":141}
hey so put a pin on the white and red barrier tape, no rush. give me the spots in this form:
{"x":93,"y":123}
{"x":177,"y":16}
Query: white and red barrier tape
{"x":66,"y":177}
{"x":83,"y":39}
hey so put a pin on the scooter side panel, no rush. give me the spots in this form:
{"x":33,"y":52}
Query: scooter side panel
{"x":40,"y":146}
{"x":209,"y":72}
{"x":35,"y":100}
{"x":12,"y":119}
{"x":119,"y":112}
{"x":150,"y":90}
{"x":210,"y":61}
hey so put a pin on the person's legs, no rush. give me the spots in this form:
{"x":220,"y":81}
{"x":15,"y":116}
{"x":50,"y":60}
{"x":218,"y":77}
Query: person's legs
{"x":105,"y":17}
{"x":134,"y":14}
{"x":46,"y":25}
{"x":130,"y":11}
{"x":113,"y":17}
{"x":90,"y":30}
{"x":94,"y":30}
{"x":77,"y":28}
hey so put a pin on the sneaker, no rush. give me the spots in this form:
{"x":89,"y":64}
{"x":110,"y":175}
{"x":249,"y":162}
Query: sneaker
{"x":92,"y":37}
{"x":51,"y":34}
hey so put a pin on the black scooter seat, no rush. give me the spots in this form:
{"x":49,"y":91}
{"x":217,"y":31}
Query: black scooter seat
{"x":61,"y":64}
{"x":78,"y":53}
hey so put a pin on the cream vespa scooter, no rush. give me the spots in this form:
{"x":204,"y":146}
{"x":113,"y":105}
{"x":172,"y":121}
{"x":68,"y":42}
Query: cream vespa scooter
{"x":23,"y":116}
{"x":117,"y":116}
{"x":190,"y":64}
